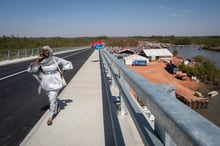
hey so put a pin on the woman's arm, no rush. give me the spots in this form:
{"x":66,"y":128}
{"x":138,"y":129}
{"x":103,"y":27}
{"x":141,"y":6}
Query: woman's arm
{"x":66,"y":65}
{"x":34,"y":66}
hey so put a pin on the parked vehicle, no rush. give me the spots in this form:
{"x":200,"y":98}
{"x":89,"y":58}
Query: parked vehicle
{"x":140,"y":63}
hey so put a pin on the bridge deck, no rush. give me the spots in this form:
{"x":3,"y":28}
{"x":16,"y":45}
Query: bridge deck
{"x":80,"y":121}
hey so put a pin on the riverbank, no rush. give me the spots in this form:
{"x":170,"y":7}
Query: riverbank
{"x":156,"y":73}
{"x":210,"y":48}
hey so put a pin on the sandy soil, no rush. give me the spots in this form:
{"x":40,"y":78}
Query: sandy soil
{"x":156,"y":72}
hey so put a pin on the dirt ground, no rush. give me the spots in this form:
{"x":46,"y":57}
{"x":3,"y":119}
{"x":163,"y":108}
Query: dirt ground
{"x":156,"y":73}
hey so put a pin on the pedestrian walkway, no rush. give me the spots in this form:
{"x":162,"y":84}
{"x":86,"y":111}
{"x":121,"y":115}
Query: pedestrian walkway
{"x":80,"y":121}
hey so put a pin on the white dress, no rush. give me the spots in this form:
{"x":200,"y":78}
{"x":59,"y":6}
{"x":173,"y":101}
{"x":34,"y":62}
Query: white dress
{"x":49,"y":76}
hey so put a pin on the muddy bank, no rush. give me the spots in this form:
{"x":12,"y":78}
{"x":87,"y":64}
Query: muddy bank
{"x":156,"y":73}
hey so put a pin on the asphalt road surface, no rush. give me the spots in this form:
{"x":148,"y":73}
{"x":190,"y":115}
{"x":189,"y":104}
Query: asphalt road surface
{"x":20,"y":105}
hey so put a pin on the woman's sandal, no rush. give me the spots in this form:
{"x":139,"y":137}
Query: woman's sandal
{"x":49,"y":121}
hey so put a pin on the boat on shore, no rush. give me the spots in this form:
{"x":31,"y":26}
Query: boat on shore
{"x":212,"y":93}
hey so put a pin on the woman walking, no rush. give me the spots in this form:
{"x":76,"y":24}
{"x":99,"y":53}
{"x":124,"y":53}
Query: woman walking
{"x":50,"y":77}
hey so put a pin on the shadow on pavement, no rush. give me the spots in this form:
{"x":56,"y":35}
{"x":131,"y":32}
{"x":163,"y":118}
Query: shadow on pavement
{"x":62,"y":104}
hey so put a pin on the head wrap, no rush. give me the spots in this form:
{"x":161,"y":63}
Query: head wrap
{"x":47,"y":60}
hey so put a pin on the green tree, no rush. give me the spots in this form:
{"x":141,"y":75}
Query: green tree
{"x":204,"y":69}
{"x":175,"y":52}
{"x":200,"y":58}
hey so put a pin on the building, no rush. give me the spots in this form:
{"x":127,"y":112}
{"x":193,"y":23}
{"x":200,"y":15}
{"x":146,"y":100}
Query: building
{"x":126,"y":51}
{"x":158,"y":54}
{"x":136,"y":60}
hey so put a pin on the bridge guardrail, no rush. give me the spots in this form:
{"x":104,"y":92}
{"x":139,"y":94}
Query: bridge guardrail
{"x":20,"y":53}
{"x":175,"y":123}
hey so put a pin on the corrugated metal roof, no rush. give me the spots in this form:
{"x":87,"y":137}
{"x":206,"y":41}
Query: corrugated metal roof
{"x":126,"y":50}
{"x":135,"y":56}
{"x":157,"y":52}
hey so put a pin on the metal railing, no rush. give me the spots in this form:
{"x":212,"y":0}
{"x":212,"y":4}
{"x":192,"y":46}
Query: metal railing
{"x":174,"y":123}
{"x":20,"y":53}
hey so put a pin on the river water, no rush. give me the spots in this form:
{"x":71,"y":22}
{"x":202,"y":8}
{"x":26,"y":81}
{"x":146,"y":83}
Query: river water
{"x":212,"y":113}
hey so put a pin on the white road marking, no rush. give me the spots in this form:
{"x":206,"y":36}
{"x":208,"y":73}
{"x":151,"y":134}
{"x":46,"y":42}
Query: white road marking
{"x":14,"y":74}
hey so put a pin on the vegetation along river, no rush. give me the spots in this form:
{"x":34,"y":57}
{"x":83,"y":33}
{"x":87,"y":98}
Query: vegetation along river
{"x":189,"y":51}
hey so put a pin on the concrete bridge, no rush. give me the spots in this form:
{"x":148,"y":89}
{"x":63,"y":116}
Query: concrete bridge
{"x":103,"y":111}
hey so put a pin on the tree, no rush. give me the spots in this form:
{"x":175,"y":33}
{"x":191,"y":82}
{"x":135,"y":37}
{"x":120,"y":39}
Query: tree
{"x":200,"y":58}
{"x":204,"y":69}
{"x":175,"y":52}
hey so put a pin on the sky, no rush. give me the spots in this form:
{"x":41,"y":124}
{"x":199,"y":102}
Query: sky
{"x":90,"y":18}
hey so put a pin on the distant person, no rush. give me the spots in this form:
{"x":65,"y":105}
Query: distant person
{"x":49,"y":76}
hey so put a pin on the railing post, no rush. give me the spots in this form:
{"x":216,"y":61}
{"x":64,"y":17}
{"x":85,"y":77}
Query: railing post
{"x":18,"y":53}
{"x":32,"y":52}
{"x":9,"y":54}
{"x":37,"y":51}
{"x":168,"y":140}
{"x":26,"y":52}
{"x":124,"y":110}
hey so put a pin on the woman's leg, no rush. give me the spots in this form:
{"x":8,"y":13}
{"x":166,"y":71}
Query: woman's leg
{"x":53,"y":104}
